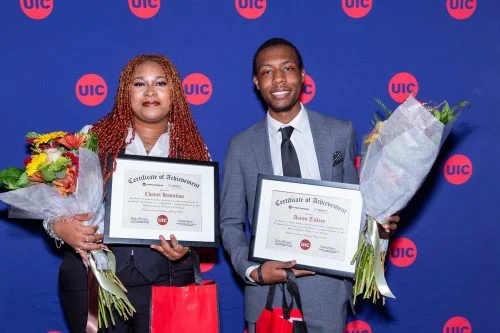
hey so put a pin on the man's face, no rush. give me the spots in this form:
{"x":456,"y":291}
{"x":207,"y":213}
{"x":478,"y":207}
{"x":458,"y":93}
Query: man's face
{"x":279,"y":78}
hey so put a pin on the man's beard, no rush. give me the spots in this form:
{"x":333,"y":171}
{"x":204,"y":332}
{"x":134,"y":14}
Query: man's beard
{"x":285,"y":108}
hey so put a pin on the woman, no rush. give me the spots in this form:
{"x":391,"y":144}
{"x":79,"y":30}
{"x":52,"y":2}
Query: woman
{"x":151,"y":117}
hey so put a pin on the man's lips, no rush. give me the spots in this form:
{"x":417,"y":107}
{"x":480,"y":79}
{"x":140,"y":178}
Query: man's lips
{"x":281,"y":93}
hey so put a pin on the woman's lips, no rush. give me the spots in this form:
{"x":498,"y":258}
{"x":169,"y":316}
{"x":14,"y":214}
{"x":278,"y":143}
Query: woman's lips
{"x":150,"y":103}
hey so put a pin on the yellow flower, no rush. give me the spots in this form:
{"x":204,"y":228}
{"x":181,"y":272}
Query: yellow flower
{"x":44,"y":138}
{"x":35,"y":163}
{"x":374,"y":133}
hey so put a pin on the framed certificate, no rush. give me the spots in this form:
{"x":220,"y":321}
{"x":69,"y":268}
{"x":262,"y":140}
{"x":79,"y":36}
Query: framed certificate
{"x":314,"y":222}
{"x":152,"y":196}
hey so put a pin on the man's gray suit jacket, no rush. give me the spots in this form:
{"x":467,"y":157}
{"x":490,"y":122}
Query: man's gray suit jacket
{"x":324,"y":298}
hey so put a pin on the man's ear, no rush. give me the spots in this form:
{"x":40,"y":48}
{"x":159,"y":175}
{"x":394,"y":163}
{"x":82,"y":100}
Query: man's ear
{"x":256,"y":82}
{"x":302,"y":76}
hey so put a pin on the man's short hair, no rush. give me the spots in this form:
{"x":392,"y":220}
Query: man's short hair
{"x":276,"y":42}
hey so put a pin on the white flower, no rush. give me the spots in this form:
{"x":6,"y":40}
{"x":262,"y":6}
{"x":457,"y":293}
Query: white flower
{"x":53,"y":154}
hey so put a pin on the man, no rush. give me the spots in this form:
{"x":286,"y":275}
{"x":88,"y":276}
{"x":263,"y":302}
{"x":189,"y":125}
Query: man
{"x":325,"y":149}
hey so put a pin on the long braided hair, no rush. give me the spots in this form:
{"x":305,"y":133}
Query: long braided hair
{"x":112,"y":130}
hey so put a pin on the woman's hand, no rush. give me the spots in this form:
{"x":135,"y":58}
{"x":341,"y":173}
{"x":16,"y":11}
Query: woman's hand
{"x":171,"y":252}
{"x":387,"y":229}
{"x":73,"y":231}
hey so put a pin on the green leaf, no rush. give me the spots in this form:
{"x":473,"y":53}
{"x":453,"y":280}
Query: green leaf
{"x":32,"y":135}
{"x":23,"y":181}
{"x":60,"y":164}
{"x":91,"y":143}
{"x":10,"y":176}
{"x":387,"y":111}
{"x":48,"y":174}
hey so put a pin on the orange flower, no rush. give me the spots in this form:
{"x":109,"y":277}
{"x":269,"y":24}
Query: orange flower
{"x":37,"y":177}
{"x":67,"y":185}
{"x":73,"y":141}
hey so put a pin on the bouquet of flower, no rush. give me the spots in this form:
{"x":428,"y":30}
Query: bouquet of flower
{"x":397,"y":156}
{"x":62,"y":177}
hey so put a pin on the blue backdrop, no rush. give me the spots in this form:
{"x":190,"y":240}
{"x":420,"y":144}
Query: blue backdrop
{"x":443,"y":267}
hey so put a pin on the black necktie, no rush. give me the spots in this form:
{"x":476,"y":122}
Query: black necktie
{"x":289,"y":158}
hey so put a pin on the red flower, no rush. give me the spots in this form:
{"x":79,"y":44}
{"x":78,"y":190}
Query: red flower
{"x":72,"y":157}
{"x":27,"y":161}
{"x":44,"y":146}
{"x":73,"y":141}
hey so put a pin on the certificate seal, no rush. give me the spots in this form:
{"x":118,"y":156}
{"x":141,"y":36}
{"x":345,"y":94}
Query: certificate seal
{"x":162,"y":219}
{"x":305,"y":244}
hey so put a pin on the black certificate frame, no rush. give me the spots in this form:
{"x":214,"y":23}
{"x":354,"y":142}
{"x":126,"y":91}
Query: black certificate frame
{"x":300,"y":186}
{"x":210,"y":222}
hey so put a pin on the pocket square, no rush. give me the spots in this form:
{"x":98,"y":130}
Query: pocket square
{"x":337,"y":158}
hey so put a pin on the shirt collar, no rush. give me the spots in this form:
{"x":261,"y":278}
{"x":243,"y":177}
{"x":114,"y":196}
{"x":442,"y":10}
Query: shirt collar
{"x":300,"y":123}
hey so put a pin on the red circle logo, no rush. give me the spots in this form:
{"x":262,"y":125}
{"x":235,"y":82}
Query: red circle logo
{"x":162,"y":219}
{"x":305,"y":244}
{"x":91,"y":89}
{"x":308,"y":90}
{"x":250,"y":9}
{"x":357,"y":162}
{"x":461,"y":9}
{"x":402,"y":85}
{"x":458,"y":169}
{"x":357,"y":8}
{"x":37,"y":9}
{"x":402,"y":252}
{"x":208,"y":258}
{"x":198,"y":88}
{"x":457,"y":324}
{"x":358,"y":326}
{"x":144,"y":8}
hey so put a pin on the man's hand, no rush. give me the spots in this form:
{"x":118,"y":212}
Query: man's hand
{"x":274,"y":272}
{"x":387,"y":229}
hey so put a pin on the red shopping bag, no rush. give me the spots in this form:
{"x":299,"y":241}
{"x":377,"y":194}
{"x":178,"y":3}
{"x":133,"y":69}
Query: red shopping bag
{"x":188,"y":309}
{"x":286,"y":319}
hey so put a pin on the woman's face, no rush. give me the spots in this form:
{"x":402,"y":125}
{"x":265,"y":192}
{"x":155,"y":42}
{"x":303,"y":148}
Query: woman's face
{"x":150,"y":94}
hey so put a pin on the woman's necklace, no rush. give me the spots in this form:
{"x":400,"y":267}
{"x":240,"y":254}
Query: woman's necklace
{"x":148,"y":141}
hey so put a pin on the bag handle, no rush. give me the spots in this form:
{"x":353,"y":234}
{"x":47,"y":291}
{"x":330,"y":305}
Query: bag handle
{"x":196,"y":267}
{"x":270,"y":296}
{"x":293,"y":289}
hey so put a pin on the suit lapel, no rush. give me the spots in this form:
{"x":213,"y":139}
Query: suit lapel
{"x":321,"y":141}
{"x":261,"y":148}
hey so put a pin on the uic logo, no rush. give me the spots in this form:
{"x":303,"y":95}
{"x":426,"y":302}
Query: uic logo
{"x":250,"y":9}
{"x":461,"y":9}
{"x":208,"y":258}
{"x":37,"y":9}
{"x":402,"y":85}
{"x":197,"y":88}
{"x":308,"y":90}
{"x":357,"y":8}
{"x":305,"y":244}
{"x":144,"y":8}
{"x":162,"y":219}
{"x":402,"y":252}
{"x":457,"y":169}
{"x":457,"y":325}
{"x":91,"y":89}
{"x":358,"y":326}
